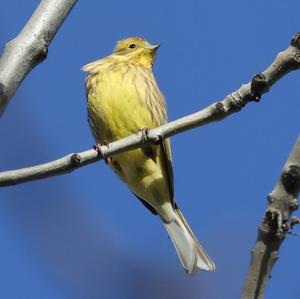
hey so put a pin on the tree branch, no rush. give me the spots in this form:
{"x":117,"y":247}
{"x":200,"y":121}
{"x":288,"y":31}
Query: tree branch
{"x":30,"y":47}
{"x":274,"y":227}
{"x":285,"y":62}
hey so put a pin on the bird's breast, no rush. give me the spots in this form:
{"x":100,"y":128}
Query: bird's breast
{"x":122,"y":101}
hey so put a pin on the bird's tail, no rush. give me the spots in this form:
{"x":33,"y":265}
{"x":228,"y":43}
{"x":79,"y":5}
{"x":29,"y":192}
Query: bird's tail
{"x":190,"y":252}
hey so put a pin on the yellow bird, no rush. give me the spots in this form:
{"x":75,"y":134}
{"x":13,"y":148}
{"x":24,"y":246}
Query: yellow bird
{"x":123,"y":98}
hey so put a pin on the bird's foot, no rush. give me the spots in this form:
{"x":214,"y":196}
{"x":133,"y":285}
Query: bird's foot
{"x":145,"y":134}
{"x":146,"y":137}
{"x":106,"y":158}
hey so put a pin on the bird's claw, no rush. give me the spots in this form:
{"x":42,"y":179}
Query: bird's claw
{"x":145,"y":137}
{"x":106,"y":158}
{"x":145,"y":133}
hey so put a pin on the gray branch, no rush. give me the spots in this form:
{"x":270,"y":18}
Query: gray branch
{"x":30,"y":47}
{"x":283,"y":200}
{"x":285,"y":62}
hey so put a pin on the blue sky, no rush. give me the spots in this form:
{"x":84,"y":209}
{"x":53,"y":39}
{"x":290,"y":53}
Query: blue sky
{"x":83,"y":235}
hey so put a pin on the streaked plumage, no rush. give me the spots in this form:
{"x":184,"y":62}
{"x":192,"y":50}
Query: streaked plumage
{"x":123,"y":97}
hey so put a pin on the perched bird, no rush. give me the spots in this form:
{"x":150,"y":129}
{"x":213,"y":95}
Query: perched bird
{"x":123,"y":98}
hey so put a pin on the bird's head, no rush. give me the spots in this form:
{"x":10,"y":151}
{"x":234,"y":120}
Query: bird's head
{"x":137,"y":50}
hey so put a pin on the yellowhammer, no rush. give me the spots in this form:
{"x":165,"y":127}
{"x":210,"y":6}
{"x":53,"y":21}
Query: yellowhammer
{"x":123,"y":97}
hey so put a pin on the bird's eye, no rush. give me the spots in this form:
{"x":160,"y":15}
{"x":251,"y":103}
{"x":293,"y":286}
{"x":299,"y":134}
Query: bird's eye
{"x":132,"y":46}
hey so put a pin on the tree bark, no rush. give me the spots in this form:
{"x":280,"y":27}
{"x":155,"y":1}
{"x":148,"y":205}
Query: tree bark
{"x":30,"y":47}
{"x":283,"y":200}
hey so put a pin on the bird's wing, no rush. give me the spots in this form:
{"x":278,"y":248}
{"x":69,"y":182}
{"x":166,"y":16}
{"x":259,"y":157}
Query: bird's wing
{"x":161,"y":154}
{"x":157,"y":108}
{"x":167,"y":166}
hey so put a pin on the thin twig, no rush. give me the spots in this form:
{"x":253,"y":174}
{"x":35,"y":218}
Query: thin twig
{"x":283,"y":200}
{"x":30,"y":47}
{"x":285,"y":62}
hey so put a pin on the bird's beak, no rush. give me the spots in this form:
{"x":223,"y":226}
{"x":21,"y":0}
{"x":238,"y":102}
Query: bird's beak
{"x":152,"y":48}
